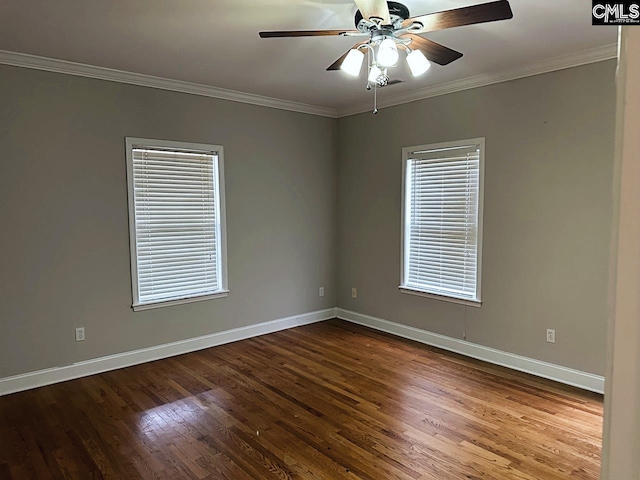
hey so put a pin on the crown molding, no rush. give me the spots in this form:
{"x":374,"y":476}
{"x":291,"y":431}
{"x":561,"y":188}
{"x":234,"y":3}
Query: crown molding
{"x":83,"y":70}
{"x":584,"y":57}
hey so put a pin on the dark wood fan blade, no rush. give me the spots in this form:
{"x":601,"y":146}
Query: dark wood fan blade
{"x":305,"y":33}
{"x":433,"y":51}
{"x":338,"y":63}
{"x":457,"y":17}
{"x":374,"y":8}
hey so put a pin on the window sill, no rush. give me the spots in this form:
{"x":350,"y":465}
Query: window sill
{"x":179,"y":301}
{"x":444,"y":298}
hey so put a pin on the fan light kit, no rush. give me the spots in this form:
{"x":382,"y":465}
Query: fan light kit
{"x":390,"y":28}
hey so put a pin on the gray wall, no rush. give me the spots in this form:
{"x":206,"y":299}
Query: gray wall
{"x":64,"y":246}
{"x":547,"y":212}
{"x":64,"y":240}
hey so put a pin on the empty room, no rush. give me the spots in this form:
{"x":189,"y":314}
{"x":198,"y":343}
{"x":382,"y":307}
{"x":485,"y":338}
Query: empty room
{"x":319,"y":239}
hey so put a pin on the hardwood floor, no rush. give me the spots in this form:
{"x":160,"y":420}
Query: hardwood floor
{"x":326,"y":401}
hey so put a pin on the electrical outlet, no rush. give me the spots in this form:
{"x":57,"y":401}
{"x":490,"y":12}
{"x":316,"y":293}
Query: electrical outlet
{"x":551,"y":336}
{"x":354,"y":292}
{"x":321,"y":292}
{"x":80,"y":334}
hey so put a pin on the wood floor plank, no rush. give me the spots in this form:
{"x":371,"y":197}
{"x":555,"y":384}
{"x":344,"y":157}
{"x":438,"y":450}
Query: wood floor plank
{"x":326,"y":401}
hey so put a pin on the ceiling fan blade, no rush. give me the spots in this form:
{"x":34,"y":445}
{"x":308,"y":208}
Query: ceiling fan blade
{"x":374,"y":8}
{"x":457,"y":17}
{"x":338,"y":63}
{"x":433,"y":51}
{"x":306,"y":33}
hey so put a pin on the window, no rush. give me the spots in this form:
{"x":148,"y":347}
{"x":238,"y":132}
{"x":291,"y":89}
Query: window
{"x":442,"y":220}
{"x":176,"y":221}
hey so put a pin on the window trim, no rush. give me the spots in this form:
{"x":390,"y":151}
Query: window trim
{"x":406,"y":151}
{"x":218,"y":150}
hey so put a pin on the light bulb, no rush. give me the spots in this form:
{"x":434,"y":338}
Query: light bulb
{"x":374,"y":74}
{"x":353,"y":62}
{"x":418,"y":63}
{"x":387,"y":53}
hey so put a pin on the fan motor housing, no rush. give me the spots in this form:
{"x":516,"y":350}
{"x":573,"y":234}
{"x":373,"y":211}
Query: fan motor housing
{"x":397,"y":13}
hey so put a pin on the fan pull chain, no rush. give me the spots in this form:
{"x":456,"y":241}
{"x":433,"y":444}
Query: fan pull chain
{"x":369,"y":66}
{"x":375,"y":98}
{"x":375,"y":84}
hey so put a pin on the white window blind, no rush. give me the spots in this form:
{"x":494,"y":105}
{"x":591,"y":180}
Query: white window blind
{"x":442,"y":212}
{"x":177,"y":226}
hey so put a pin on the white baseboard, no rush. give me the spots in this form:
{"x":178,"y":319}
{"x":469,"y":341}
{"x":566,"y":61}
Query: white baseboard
{"x":41,"y":378}
{"x":569,"y":376}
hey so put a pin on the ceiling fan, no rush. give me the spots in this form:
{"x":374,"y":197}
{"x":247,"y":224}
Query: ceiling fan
{"x":389,"y":26}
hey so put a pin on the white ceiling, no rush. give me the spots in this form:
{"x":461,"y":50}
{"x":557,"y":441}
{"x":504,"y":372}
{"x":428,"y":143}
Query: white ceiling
{"x":216,"y":42}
